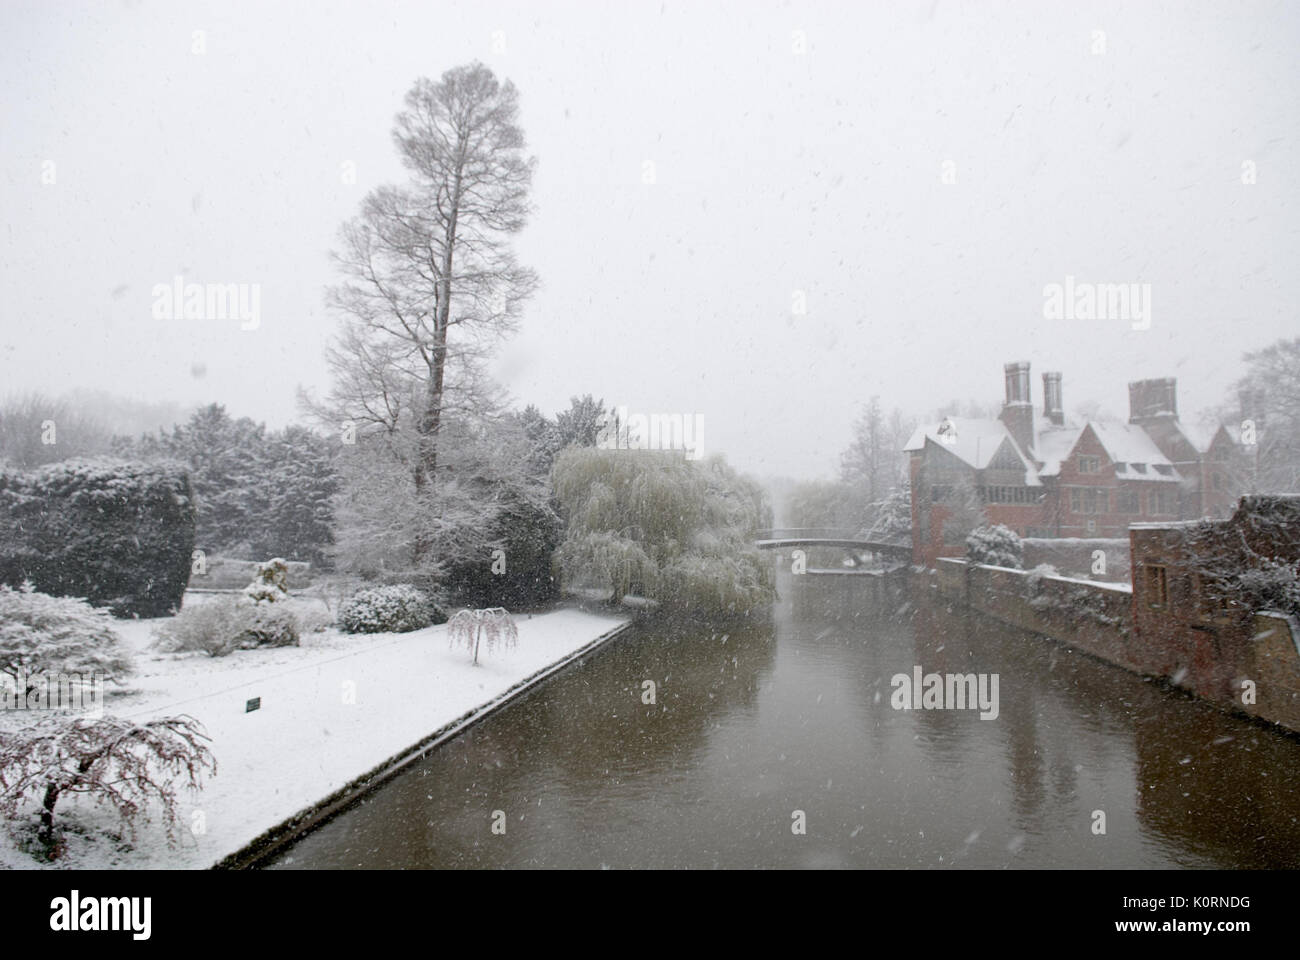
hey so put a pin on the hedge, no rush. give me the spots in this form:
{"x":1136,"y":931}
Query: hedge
{"x":118,"y":534}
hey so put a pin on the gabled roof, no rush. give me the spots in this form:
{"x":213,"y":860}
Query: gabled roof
{"x":1127,"y":444}
{"x":973,"y":441}
{"x":1053,"y":446}
{"x":976,"y":442}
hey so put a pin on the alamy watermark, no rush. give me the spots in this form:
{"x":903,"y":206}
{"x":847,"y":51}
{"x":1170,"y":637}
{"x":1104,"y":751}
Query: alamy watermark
{"x":953,"y":691}
{"x":1098,"y":301}
{"x":208,"y":301}
{"x":620,"y":430}
{"x":77,"y":693}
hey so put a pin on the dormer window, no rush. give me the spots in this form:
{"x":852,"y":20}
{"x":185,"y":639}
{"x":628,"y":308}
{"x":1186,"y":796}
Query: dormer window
{"x":1163,"y":470}
{"x":1139,"y":467}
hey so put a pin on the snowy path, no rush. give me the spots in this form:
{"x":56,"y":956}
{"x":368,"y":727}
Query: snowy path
{"x":331,"y":710}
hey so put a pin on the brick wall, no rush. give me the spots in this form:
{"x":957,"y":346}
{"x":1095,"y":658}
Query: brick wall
{"x":1092,"y":617}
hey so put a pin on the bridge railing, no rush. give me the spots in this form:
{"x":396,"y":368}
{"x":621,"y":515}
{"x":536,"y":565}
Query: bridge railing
{"x":806,"y":533}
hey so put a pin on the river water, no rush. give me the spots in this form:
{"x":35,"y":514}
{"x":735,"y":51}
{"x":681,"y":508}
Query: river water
{"x":789,"y":722}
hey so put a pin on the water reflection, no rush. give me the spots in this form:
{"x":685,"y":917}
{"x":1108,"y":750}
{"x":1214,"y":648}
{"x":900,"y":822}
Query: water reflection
{"x":795,"y":715}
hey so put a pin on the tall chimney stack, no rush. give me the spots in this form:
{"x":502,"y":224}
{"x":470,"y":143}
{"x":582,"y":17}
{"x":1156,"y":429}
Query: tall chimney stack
{"x":1053,"y":409}
{"x":1018,"y":410}
{"x":1148,"y":399}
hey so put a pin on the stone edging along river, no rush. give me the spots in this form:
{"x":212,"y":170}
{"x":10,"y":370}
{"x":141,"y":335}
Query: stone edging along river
{"x":272,"y":841}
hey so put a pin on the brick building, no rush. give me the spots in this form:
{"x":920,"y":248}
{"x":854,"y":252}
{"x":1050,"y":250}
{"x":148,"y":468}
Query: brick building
{"x":1184,"y":626}
{"x":1045,"y":475}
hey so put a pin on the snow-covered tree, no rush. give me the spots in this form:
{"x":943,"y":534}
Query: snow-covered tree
{"x":654,"y":523}
{"x":258,"y":492}
{"x":1269,"y":396}
{"x":297,"y":490}
{"x":995,"y":545}
{"x":431,"y":258}
{"x":131,"y":766}
{"x":581,"y":424}
{"x":890,"y":519}
{"x":57,"y":635}
{"x":487,"y":499}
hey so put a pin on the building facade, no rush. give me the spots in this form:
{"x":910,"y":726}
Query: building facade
{"x":1045,"y":475}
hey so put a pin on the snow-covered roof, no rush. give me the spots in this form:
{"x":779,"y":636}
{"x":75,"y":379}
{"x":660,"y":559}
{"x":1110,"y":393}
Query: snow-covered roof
{"x":1053,"y":446}
{"x":973,"y":441}
{"x":1201,"y":435}
{"x":1129,"y":445}
{"x":976,"y":442}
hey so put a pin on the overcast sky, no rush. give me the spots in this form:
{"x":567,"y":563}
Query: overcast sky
{"x":775,"y":171}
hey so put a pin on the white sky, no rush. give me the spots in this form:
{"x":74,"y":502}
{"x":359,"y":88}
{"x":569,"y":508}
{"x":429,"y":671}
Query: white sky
{"x":775,"y":172}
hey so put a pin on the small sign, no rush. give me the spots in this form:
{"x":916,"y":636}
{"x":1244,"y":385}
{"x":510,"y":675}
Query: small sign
{"x":254,"y":704}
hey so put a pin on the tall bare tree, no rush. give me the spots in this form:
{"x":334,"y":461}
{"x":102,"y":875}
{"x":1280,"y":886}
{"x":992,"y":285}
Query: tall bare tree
{"x":1269,"y":396}
{"x":431,"y":257}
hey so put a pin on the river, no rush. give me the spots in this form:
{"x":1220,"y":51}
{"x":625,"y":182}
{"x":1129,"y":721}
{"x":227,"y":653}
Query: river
{"x":789,"y":722}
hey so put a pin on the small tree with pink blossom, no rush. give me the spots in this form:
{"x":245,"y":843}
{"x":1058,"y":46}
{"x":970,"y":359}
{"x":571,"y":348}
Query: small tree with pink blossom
{"x":494,"y":624}
{"x":113,"y":760}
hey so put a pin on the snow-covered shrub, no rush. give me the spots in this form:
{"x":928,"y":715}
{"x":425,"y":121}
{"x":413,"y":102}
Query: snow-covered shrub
{"x":53,"y":635}
{"x":495,"y":625}
{"x":995,"y":545}
{"x":118,"y":534}
{"x":268,"y":626}
{"x":399,"y":608}
{"x":270,"y":584}
{"x":127,"y":765}
{"x":227,"y":624}
{"x":1034,"y":578}
{"x":209,"y":628}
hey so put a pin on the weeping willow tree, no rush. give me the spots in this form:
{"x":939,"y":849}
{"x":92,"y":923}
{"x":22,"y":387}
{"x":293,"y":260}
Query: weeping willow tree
{"x":654,"y":524}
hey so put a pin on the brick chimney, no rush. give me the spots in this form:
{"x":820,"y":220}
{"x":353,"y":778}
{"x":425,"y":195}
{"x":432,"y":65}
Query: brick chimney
{"x":1150,"y":399}
{"x":1052,"y":405}
{"x":1018,"y":410}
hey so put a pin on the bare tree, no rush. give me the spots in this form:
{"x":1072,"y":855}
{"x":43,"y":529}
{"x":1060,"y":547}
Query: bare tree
{"x":1269,"y":397}
{"x":36,"y":429}
{"x":433,"y":256}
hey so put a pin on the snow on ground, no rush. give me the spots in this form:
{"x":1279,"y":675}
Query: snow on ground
{"x":307,"y":740}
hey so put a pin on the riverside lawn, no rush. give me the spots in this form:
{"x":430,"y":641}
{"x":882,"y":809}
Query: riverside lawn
{"x":331,"y":710}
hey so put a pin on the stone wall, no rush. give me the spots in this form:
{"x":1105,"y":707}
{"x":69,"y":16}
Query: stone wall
{"x":1073,"y":556}
{"x":1093,"y":617}
{"x":1098,"y":619}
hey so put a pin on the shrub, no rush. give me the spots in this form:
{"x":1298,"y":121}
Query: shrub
{"x":995,"y":545}
{"x":52,"y":635}
{"x":110,"y":759}
{"x":271,"y":582}
{"x":119,"y":534}
{"x":399,"y":608}
{"x":268,"y":626}
{"x":222,"y":626}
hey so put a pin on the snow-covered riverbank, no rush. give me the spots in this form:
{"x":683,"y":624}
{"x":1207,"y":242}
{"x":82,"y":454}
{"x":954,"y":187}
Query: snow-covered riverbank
{"x":331,"y":710}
